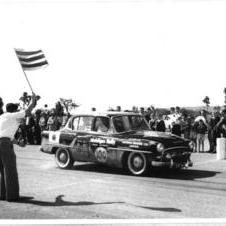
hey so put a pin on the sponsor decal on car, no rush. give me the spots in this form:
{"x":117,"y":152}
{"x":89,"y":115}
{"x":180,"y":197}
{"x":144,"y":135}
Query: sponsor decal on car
{"x":54,"y":137}
{"x":133,"y":142}
{"x":101,"y":154}
{"x":110,"y":141}
{"x":97,"y":141}
{"x":102,"y":141}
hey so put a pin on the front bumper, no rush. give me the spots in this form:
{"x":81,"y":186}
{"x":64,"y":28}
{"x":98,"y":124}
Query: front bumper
{"x":172,"y":164}
{"x":174,"y":158}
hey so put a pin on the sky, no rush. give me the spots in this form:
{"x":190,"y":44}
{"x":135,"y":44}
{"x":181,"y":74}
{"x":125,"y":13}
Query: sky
{"x":108,"y":53}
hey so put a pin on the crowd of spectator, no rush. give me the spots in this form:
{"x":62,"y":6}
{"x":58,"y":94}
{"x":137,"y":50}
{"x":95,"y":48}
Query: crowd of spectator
{"x":199,"y":127}
{"x":30,"y":128}
{"x":202,"y":127}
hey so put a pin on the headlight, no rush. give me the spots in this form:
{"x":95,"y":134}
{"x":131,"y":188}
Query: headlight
{"x":160,"y":147}
{"x":191,"y":145}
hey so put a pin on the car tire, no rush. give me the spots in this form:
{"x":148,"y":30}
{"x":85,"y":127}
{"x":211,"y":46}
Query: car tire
{"x":63,"y":158}
{"x":137,"y":163}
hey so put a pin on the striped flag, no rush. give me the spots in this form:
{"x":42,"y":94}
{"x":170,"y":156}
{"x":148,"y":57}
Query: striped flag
{"x":31,"y":60}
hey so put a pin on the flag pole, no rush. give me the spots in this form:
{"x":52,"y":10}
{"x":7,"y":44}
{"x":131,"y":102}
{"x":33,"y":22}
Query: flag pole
{"x":24,"y":73}
{"x":28,"y":80}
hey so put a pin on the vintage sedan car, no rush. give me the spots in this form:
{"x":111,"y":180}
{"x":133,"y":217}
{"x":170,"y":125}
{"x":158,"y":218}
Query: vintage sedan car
{"x":118,"y":139}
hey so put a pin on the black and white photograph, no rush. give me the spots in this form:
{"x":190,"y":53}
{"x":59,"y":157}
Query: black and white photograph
{"x":113,"y":112}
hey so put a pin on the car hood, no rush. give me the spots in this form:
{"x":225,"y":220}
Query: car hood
{"x":168,"y":139}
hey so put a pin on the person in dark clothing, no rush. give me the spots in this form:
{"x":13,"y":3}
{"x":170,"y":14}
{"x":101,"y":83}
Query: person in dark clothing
{"x":160,"y":124}
{"x":1,"y":106}
{"x":186,"y":126}
{"x":201,"y":130}
{"x":43,"y":121}
{"x":53,"y":121}
{"x":152,"y":121}
{"x":193,"y":133}
{"x":36,"y":128}
{"x":29,"y":129}
{"x":221,"y":125}
{"x":212,"y":132}
{"x":147,"y":114}
{"x":21,"y":135}
{"x":176,"y":128}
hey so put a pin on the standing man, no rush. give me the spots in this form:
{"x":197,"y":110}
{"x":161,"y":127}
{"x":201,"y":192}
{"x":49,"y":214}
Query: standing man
{"x":1,"y":106}
{"x":160,"y":124}
{"x":9,"y":123}
{"x":212,"y":131}
{"x":221,"y":125}
{"x":201,"y":130}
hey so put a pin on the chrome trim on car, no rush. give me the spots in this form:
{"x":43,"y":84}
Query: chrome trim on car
{"x":177,"y":147}
{"x":132,"y":150}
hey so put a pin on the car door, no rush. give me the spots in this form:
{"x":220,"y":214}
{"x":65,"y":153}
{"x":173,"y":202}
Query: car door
{"x":101,"y":140}
{"x":80,"y":147}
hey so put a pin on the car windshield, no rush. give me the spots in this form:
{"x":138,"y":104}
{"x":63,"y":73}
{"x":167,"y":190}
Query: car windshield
{"x":126,"y":123}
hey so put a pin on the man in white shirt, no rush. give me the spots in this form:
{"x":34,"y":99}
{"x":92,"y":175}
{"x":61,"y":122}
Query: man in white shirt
{"x":9,"y":123}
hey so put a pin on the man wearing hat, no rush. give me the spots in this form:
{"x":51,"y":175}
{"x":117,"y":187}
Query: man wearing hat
{"x":9,"y":123}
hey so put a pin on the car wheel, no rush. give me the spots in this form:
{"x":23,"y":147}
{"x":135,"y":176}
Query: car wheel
{"x":63,"y":158}
{"x":137,"y":163}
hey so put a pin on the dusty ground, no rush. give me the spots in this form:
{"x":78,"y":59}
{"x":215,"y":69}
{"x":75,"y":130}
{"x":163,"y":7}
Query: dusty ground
{"x":90,"y":191}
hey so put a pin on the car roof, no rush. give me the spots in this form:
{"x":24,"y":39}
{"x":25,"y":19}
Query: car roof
{"x":107,"y":113}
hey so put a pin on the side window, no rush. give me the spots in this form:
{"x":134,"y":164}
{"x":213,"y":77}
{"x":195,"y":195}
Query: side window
{"x":75,"y":123}
{"x":69,"y":124}
{"x":85,"y":123}
{"x":102,"y":124}
{"x":118,"y":123}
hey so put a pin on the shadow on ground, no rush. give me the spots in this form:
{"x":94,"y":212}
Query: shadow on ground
{"x":164,"y":209}
{"x":183,"y":174}
{"x":60,"y":202}
{"x":94,"y":167}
